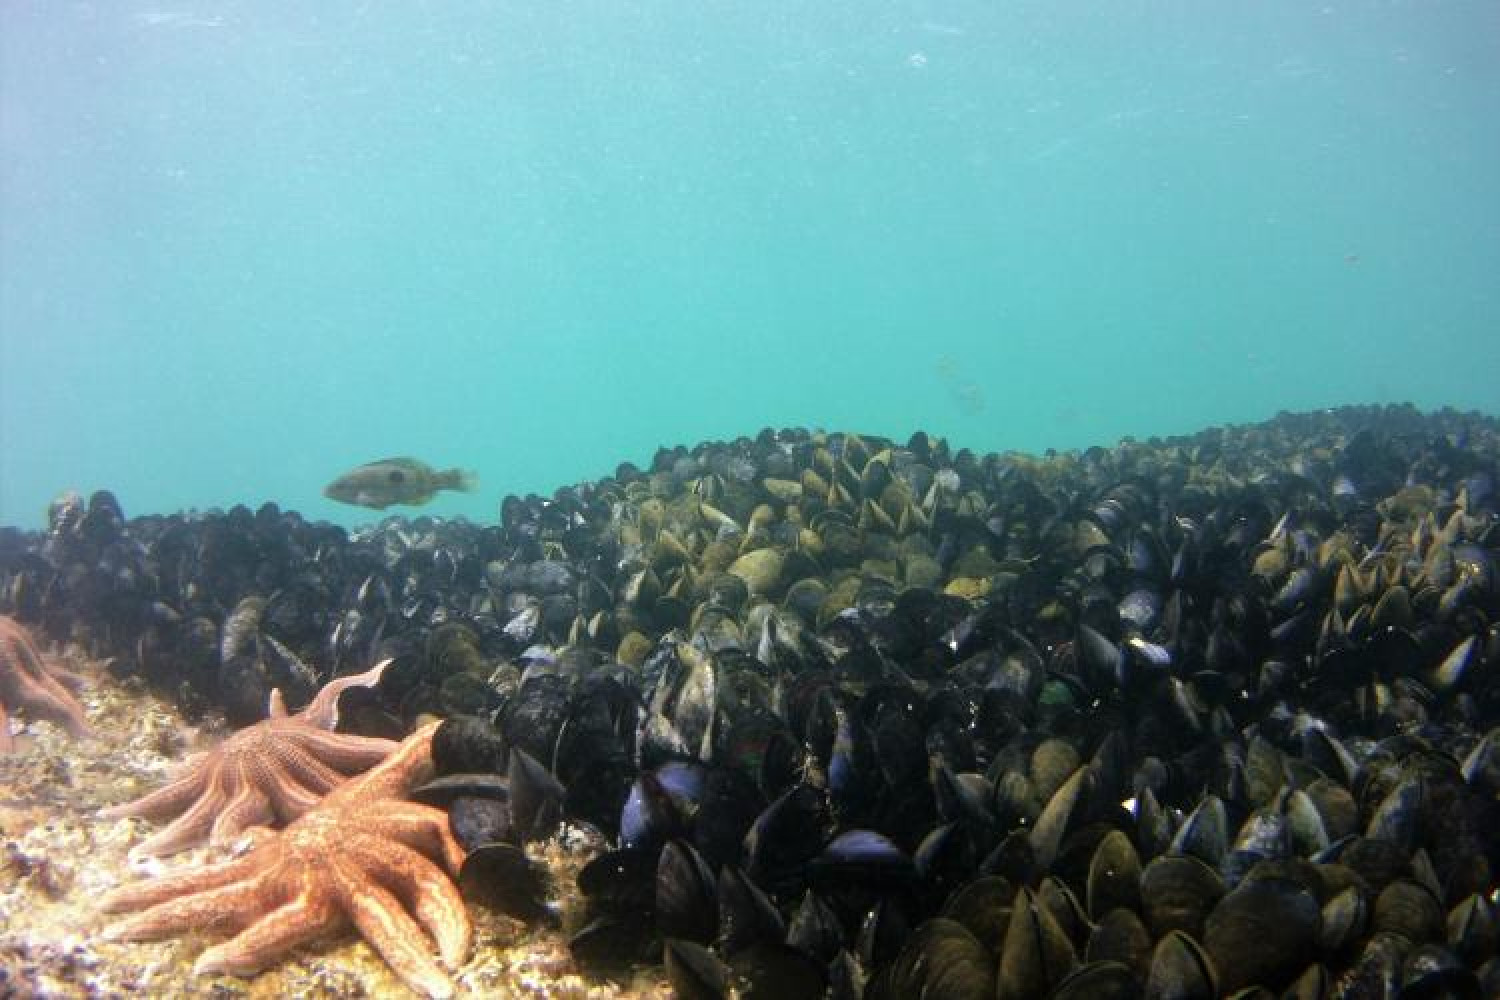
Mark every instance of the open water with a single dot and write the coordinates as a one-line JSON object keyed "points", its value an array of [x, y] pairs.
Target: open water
{"points": [[247, 245]]}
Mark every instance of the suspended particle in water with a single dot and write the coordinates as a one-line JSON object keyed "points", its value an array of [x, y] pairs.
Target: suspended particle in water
{"points": [[966, 394]]}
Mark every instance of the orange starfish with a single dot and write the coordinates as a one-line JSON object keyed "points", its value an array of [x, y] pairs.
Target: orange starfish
{"points": [[363, 855], [28, 681], [265, 774]]}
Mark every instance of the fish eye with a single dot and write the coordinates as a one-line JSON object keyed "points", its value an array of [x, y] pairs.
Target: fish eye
{"points": [[396, 476]]}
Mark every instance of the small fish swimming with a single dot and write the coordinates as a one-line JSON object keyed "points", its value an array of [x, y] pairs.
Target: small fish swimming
{"points": [[396, 481]]}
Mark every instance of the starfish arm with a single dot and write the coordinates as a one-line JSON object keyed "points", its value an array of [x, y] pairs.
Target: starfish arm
{"points": [[44, 697], [390, 930], [408, 766], [272, 936], [149, 892], [191, 827], [289, 798], [61, 686], [57, 706], [431, 894], [323, 710], [304, 768], [247, 806], [166, 800], [344, 752], [424, 829], [7, 742], [227, 906], [73, 682], [20, 651]]}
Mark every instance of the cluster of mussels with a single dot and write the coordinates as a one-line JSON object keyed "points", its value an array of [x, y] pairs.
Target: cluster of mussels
{"points": [[1196, 717]]}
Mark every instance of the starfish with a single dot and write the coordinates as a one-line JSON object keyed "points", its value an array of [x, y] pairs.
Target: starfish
{"points": [[267, 773], [362, 855], [28, 681]]}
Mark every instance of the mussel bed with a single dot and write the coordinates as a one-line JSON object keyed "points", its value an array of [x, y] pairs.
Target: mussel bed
{"points": [[1213, 715]]}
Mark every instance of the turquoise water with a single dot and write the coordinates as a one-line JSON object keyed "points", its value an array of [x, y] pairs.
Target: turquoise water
{"points": [[244, 246]]}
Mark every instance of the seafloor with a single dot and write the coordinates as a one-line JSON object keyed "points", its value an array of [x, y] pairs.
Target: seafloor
{"points": [[57, 858]]}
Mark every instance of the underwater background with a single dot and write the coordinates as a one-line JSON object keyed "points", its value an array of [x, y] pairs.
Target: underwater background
{"points": [[246, 246]]}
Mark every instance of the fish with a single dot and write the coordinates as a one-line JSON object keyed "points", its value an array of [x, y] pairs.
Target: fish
{"points": [[403, 481]]}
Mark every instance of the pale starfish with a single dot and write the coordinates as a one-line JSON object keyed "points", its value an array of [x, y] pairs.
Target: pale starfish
{"points": [[28, 681], [265, 774], [362, 855]]}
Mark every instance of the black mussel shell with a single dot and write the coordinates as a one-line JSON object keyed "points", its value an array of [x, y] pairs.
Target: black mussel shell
{"points": [[695, 972], [611, 946], [768, 970], [815, 928], [441, 792], [502, 878], [787, 834], [1263, 933], [686, 902], [746, 915], [536, 798], [622, 881], [862, 859], [941, 959], [477, 820]]}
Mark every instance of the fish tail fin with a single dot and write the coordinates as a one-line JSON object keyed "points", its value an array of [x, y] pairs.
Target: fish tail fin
{"points": [[463, 480]]}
